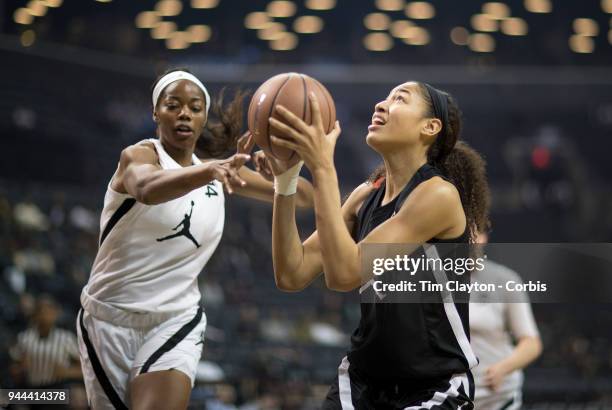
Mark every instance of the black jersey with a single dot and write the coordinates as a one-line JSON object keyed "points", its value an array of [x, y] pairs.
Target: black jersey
{"points": [[407, 341]]}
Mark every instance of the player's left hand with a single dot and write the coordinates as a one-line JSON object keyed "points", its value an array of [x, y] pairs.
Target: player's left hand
{"points": [[494, 376], [311, 142]]}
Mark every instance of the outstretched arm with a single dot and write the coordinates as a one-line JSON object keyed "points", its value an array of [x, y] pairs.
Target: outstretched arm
{"points": [[140, 175], [259, 185]]}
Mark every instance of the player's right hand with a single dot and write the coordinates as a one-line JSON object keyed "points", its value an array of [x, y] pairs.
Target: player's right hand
{"points": [[226, 171]]}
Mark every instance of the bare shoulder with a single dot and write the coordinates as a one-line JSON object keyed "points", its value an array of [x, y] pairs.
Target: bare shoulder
{"points": [[434, 194], [142, 153]]}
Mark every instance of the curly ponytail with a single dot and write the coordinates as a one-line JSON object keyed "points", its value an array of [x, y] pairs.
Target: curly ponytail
{"points": [[223, 127], [462, 165]]}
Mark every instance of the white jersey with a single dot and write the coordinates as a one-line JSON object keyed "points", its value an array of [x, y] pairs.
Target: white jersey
{"points": [[494, 325], [150, 256]]}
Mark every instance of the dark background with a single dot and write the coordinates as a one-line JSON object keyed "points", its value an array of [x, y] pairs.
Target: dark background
{"points": [[75, 90]]}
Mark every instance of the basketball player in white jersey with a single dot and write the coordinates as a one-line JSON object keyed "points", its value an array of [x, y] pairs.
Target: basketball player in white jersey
{"points": [[140, 330], [494, 325]]}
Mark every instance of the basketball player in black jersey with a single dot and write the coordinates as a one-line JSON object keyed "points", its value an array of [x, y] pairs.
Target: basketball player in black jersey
{"points": [[431, 188]]}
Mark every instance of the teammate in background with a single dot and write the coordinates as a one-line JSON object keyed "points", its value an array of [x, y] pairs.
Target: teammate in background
{"points": [[494, 325], [430, 190], [141, 325]]}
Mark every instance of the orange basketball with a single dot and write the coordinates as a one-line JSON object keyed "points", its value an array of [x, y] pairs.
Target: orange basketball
{"points": [[291, 91]]}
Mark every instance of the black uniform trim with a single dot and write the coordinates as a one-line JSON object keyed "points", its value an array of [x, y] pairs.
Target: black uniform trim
{"points": [[173, 341], [507, 404], [123, 209], [99, 370]]}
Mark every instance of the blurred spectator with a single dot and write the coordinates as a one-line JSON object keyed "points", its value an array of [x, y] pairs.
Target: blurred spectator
{"points": [[44, 355]]}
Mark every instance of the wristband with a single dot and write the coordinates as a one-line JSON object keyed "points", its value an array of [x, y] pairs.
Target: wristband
{"points": [[286, 183]]}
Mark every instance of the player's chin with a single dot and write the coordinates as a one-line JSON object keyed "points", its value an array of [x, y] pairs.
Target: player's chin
{"points": [[375, 139], [186, 139]]}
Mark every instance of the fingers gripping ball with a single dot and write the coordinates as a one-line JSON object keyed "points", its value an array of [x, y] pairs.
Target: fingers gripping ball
{"points": [[291, 91]]}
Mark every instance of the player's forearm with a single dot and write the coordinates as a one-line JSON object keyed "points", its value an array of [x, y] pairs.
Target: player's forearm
{"points": [[304, 194], [287, 248], [526, 351], [339, 251], [165, 185]]}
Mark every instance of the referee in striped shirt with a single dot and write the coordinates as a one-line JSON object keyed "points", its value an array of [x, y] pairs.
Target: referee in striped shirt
{"points": [[45, 356]]}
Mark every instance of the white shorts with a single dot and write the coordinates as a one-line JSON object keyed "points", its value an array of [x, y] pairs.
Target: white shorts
{"points": [[112, 356]]}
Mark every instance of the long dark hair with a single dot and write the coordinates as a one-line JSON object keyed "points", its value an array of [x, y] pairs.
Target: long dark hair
{"points": [[224, 124], [458, 162]]}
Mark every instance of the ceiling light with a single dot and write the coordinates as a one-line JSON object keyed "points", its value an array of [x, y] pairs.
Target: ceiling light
{"points": [[481, 43], [378, 42], [27, 38], [484, 22], [390, 5], [163, 30], [52, 3], [538, 6], [308, 24], [204, 4], [257, 20], [376, 21], [168, 8], [586, 27], [37, 8], [22, 16], [514, 26], [417, 36], [177, 41], [460, 36], [288, 41], [147, 19], [198, 33], [420, 10], [320, 4], [273, 31], [400, 28], [281, 8], [496, 10], [581, 44]]}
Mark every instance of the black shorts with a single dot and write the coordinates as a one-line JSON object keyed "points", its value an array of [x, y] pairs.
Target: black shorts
{"points": [[351, 392]]}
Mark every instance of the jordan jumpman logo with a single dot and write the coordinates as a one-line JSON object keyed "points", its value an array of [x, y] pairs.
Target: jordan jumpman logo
{"points": [[186, 222]]}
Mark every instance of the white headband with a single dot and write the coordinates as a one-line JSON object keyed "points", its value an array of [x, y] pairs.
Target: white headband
{"points": [[175, 76]]}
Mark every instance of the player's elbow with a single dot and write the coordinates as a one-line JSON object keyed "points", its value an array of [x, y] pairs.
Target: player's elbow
{"points": [[340, 283], [147, 193], [287, 282], [537, 346], [144, 195]]}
